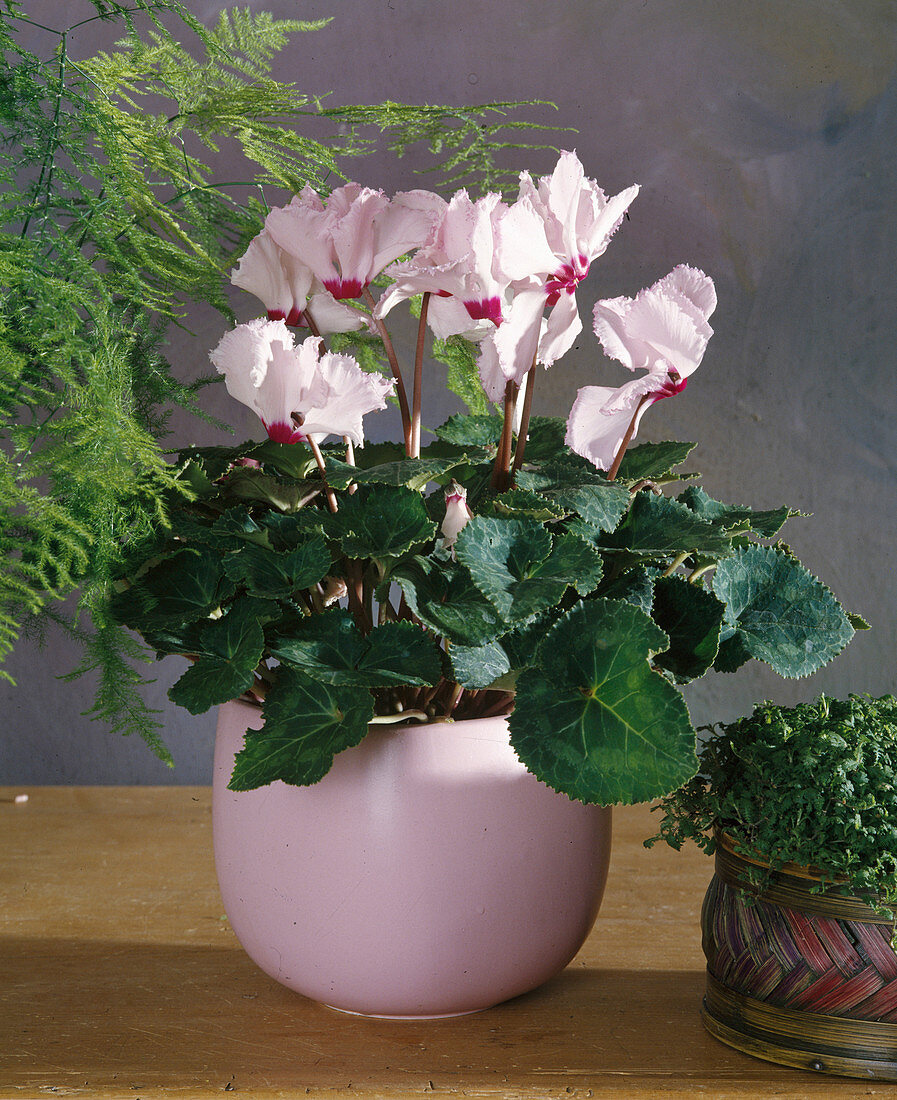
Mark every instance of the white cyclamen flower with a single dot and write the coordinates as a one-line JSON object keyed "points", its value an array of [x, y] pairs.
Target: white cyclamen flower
{"points": [[295, 390], [547, 241], [664, 331], [348, 238]]}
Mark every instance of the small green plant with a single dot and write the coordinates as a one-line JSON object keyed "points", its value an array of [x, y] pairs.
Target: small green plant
{"points": [[814, 785]]}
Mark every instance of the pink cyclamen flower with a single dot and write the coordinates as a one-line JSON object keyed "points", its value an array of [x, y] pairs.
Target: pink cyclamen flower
{"points": [[663, 325], [457, 513], [547, 242], [295, 390], [289, 290], [601, 415], [459, 267], [349, 238], [663, 329]]}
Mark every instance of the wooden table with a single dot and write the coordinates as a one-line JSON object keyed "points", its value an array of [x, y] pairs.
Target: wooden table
{"points": [[119, 977]]}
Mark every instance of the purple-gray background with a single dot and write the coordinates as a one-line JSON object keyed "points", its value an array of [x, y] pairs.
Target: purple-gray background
{"points": [[763, 136]]}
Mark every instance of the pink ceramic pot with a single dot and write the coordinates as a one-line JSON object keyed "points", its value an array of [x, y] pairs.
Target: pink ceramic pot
{"points": [[428, 874]]}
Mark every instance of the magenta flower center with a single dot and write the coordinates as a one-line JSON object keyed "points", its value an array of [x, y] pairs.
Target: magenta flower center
{"points": [[294, 317], [567, 278], [344, 288], [485, 309], [673, 385], [281, 432]]}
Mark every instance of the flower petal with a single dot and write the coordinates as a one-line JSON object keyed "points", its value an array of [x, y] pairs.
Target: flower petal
{"points": [[598, 422], [264, 370], [561, 330], [277, 279], [329, 315], [517, 339], [522, 248], [663, 325], [301, 230], [349, 394]]}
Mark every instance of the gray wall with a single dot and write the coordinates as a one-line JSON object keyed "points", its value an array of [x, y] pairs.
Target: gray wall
{"points": [[763, 135]]}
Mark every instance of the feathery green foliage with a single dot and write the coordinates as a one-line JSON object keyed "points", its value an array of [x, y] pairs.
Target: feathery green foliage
{"points": [[113, 218], [812, 784]]}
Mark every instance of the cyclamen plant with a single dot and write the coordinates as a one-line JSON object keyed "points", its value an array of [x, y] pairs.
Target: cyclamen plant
{"points": [[517, 565]]}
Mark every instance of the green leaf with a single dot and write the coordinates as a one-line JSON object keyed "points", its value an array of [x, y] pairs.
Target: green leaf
{"points": [[471, 431], [293, 460], [503, 557], [401, 653], [656, 525], [733, 516], [653, 461], [635, 586], [187, 586], [306, 723], [577, 487], [781, 613], [522, 502], [239, 525], [691, 618], [232, 648], [248, 483], [733, 653], [415, 473], [442, 595], [545, 439], [522, 644], [273, 573], [857, 621], [288, 531], [380, 521], [478, 666], [516, 567], [596, 722], [331, 648]]}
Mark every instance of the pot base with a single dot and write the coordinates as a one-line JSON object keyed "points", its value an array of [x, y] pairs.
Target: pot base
{"points": [[803, 1040], [410, 1018]]}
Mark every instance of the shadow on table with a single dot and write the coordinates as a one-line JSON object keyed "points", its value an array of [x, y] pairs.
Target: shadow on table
{"points": [[90, 1014]]}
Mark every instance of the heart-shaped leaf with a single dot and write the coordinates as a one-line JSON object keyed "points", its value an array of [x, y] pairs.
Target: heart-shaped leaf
{"points": [[331, 648], [443, 596], [691, 617], [231, 647], [380, 521], [266, 572], [306, 723], [780, 612], [596, 722]]}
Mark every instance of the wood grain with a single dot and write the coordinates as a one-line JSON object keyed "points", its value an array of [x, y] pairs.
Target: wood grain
{"points": [[120, 978]]}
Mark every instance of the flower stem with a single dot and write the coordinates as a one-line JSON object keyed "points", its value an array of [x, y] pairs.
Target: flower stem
{"points": [[312, 327], [675, 563], [418, 377], [529, 383], [319, 458], [396, 372], [457, 692], [627, 438], [502, 464]]}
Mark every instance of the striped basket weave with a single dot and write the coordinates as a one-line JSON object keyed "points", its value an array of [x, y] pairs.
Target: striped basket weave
{"points": [[803, 979]]}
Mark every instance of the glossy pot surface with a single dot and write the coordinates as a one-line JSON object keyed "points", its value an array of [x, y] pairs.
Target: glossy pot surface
{"points": [[427, 874]]}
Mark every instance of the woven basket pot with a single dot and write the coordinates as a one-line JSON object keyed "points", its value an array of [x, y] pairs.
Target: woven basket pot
{"points": [[427, 874], [799, 978]]}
